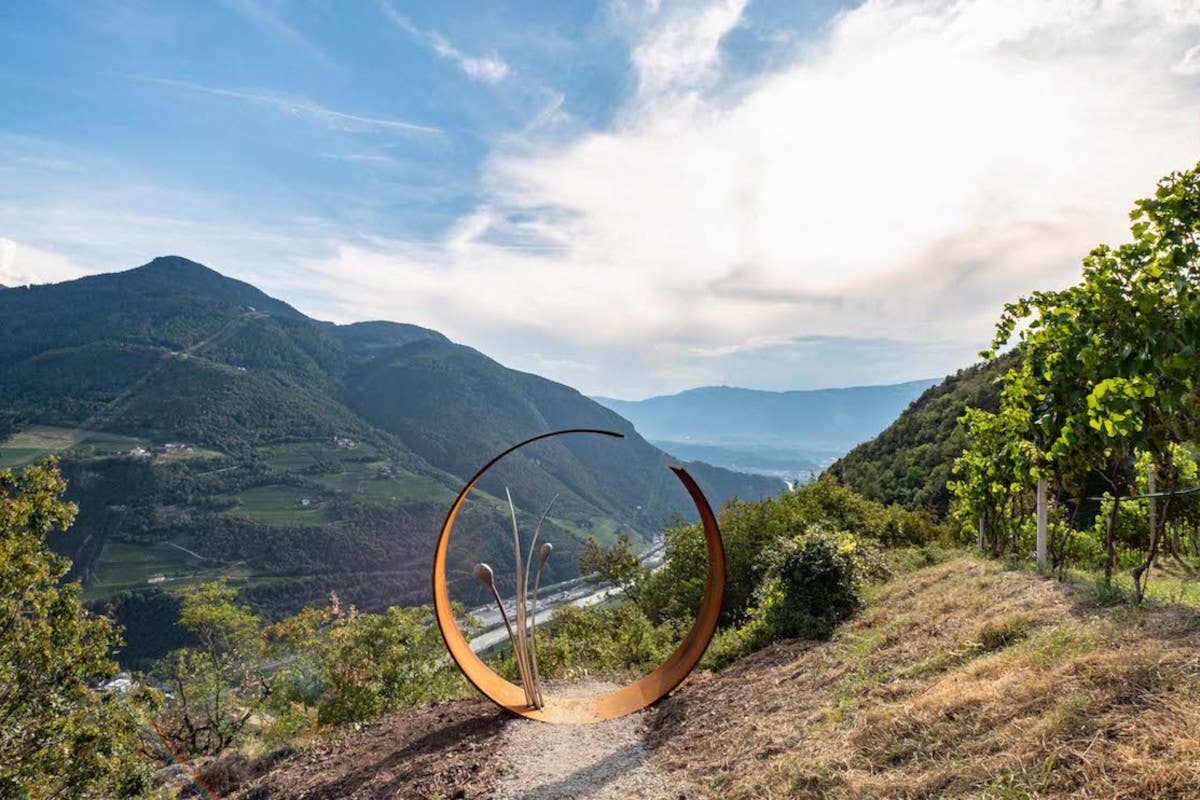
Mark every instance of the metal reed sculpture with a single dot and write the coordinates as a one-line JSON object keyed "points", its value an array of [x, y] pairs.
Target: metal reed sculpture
{"points": [[527, 700], [524, 642]]}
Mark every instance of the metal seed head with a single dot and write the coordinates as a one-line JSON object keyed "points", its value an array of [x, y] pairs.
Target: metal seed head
{"points": [[544, 553], [484, 573]]}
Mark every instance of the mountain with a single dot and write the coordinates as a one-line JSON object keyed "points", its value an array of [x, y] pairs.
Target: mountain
{"points": [[780, 461], [207, 429], [909, 462], [769, 432]]}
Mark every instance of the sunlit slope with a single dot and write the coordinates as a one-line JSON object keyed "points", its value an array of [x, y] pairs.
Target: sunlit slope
{"points": [[961, 680]]}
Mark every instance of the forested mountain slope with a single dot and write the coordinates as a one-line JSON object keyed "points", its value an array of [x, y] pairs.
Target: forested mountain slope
{"points": [[208, 429], [909, 462]]}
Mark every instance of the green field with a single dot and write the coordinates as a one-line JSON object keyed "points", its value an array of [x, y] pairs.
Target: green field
{"points": [[19, 456], [293, 456], [373, 479], [279, 504], [362, 471], [123, 565], [40, 441], [36, 442], [603, 529]]}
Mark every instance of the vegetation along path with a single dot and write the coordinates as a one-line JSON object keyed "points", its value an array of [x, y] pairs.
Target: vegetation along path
{"points": [[962, 679]]}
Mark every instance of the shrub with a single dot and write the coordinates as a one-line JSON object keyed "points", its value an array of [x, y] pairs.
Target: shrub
{"points": [[735, 643], [999, 634], [371, 664], [675, 590], [750, 529], [903, 560], [215, 684], [810, 583], [613, 639]]}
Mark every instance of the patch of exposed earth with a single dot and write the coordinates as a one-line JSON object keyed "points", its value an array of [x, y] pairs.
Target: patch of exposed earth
{"points": [[446, 750], [602, 761]]}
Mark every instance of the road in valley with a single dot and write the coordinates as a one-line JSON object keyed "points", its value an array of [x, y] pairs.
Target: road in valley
{"points": [[577, 591]]}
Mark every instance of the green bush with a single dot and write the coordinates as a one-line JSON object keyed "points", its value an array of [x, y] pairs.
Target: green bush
{"points": [[216, 683], [607, 639], [750, 530], [999, 634], [810, 583], [903, 560], [675, 590], [371, 664], [735, 643]]}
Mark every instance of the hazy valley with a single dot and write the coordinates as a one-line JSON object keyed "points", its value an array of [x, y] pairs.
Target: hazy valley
{"points": [[792, 435]]}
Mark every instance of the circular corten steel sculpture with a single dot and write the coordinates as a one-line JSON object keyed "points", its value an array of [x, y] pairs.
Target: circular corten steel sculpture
{"points": [[578, 710]]}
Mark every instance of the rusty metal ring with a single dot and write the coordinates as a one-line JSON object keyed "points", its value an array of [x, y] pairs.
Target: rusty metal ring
{"points": [[579, 710]]}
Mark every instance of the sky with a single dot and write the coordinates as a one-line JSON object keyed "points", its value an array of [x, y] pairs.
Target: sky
{"points": [[633, 198]]}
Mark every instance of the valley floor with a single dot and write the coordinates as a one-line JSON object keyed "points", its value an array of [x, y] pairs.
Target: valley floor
{"points": [[960, 680]]}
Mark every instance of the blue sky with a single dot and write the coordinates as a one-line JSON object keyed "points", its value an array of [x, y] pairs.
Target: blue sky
{"points": [[629, 197], [281, 111]]}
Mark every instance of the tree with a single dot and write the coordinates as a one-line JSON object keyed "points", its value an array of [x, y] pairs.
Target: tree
{"points": [[59, 737], [996, 469], [1109, 365], [371, 664], [617, 565], [216, 684]]}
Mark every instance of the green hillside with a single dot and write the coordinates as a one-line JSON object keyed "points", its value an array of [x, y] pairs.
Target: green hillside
{"points": [[209, 430], [909, 462]]}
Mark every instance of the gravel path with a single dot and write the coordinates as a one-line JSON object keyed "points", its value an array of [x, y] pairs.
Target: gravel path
{"points": [[607, 760]]}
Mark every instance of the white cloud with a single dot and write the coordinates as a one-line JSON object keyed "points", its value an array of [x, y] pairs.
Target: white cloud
{"points": [[1190, 63], [487, 69], [681, 51], [915, 166], [924, 162], [21, 265]]}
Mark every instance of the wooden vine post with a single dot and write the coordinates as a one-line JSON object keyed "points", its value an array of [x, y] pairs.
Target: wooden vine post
{"points": [[1041, 524]]}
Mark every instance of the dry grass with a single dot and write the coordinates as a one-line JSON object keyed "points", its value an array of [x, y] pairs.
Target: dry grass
{"points": [[961, 680]]}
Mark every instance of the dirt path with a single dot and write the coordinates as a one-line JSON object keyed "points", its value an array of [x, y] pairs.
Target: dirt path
{"points": [[581, 762]]}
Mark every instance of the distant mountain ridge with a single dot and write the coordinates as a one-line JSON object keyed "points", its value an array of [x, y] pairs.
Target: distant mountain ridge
{"points": [[198, 415], [829, 419], [771, 432]]}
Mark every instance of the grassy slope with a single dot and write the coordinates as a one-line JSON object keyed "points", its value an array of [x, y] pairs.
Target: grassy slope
{"points": [[960, 680]]}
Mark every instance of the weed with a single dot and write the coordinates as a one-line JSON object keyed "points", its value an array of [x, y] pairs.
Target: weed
{"points": [[999, 634]]}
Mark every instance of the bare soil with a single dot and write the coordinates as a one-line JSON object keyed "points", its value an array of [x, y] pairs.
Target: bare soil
{"points": [[446, 750]]}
